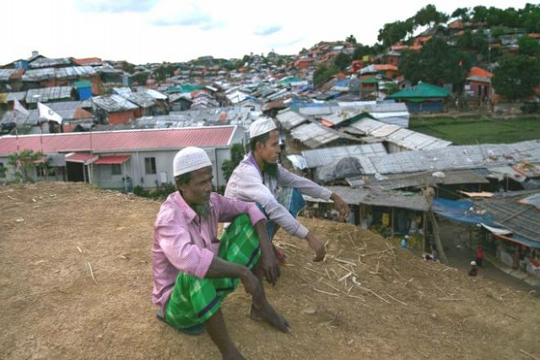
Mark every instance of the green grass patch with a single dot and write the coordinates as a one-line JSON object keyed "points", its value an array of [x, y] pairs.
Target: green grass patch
{"points": [[478, 130]]}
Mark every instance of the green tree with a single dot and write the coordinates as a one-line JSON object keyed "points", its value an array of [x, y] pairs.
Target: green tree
{"points": [[396, 31], [517, 76], [164, 71], [462, 13], [436, 63], [480, 13], [324, 73], [351, 39], [529, 18], [342, 61], [529, 46], [24, 161], [139, 78], [362, 50], [429, 16], [237, 154], [246, 59]]}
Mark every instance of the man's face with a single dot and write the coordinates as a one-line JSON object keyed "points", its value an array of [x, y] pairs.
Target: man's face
{"points": [[270, 150], [199, 188]]}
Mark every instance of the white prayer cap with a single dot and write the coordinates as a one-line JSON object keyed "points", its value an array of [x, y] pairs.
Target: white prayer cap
{"points": [[261, 126], [190, 159], [473, 263]]}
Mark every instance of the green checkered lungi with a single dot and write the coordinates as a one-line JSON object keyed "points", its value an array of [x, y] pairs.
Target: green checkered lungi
{"points": [[194, 300]]}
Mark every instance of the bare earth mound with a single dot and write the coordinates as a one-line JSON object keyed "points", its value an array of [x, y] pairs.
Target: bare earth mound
{"points": [[367, 300]]}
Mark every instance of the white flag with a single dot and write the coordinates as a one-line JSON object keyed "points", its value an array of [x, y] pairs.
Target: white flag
{"points": [[47, 113], [18, 107]]}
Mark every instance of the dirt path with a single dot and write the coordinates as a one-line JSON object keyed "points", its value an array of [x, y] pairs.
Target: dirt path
{"points": [[455, 238], [398, 307]]}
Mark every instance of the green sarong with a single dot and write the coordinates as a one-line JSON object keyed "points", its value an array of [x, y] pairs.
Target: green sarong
{"points": [[194, 300]]}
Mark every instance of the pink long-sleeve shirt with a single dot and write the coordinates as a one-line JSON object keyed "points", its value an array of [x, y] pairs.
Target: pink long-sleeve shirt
{"points": [[185, 242]]}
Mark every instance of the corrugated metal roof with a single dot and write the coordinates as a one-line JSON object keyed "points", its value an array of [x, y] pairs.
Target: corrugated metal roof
{"points": [[58, 73], [5, 74], [121, 141], [343, 115], [113, 103], [394, 134], [313, 135], [48, 94], [82, 158], [156, 94], [413, 140], [290, 119], [393, 113], [46, 62], [92, 61], [141, 99], [321, 157], [20, 96], [66, 111], [384, 131], [521, 219], [395, 199], [426, 179], [422, 90], [122, 91], [112, 160], [453, 157]]}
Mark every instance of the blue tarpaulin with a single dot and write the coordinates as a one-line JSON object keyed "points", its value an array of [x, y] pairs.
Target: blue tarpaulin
{"points": [[460, 211]]}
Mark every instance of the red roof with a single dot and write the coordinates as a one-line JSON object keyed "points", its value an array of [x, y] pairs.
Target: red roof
{"points": [[84, 61], [120, 141], [476, 71], [112, 160], [383, 67]]}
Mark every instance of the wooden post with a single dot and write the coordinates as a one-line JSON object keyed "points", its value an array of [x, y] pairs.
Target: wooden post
{"points": [[392, 224], [424, 224], [438, 241]]}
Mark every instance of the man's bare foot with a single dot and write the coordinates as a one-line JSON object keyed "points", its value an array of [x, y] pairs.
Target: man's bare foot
{"points": [[268, 314]]}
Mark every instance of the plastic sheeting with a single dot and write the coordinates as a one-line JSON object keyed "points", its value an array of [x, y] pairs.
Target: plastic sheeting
{"points": [[461, 211]]}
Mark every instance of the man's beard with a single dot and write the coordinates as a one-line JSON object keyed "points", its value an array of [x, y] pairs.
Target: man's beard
{"points": [[271, 170], [202, 210]]}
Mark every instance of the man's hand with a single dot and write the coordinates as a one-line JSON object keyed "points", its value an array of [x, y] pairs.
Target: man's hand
{"points": [[253, 287], [341, 206], [270, 267], [317, 246]]}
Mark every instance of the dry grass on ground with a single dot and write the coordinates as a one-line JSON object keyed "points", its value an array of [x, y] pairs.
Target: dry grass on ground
{"points": [[368, 300]]}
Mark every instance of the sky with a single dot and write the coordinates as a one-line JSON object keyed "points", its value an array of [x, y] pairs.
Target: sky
{"points": [[143, 31]]}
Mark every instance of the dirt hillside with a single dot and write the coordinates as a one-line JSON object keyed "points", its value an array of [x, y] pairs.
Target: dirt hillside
{"points": [[367, 300]]}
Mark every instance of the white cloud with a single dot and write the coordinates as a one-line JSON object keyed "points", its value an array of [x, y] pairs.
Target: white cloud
{"points": [[268, 30], [115, 6], [180, 30]]}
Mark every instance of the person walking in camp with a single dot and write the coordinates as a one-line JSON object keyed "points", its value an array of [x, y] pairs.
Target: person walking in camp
{"points": [[259, 178], [194, 270], [479, 255]]}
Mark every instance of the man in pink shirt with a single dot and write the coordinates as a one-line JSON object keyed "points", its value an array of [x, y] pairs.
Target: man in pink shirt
{"points": [[194, 270]]}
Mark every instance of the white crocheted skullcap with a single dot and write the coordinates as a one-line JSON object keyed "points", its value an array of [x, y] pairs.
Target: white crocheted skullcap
{"points": [[473, 263], [190, 159], [261, 126]]}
